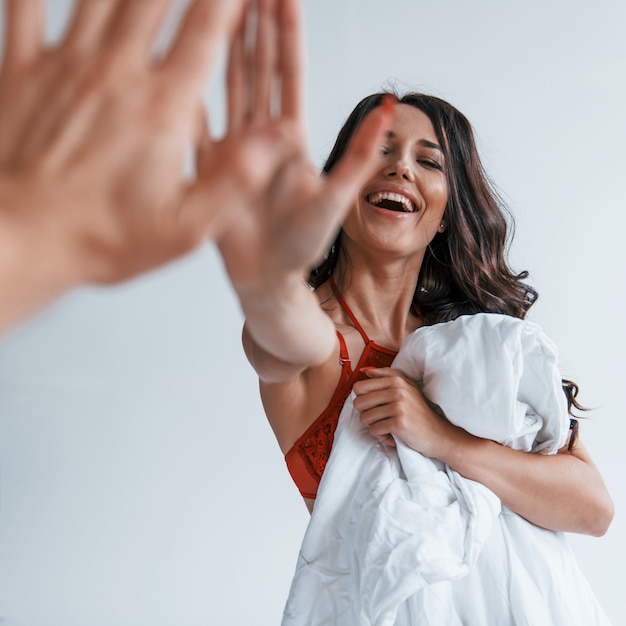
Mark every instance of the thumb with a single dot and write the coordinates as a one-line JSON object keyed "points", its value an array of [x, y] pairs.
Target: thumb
{"points": [[203, 213], [361, 157]]}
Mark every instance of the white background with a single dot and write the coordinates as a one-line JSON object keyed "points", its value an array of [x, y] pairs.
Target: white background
{"points": [[140, 483]]}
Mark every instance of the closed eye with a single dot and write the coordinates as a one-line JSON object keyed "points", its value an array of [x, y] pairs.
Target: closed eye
{"points": [[429, 163]]}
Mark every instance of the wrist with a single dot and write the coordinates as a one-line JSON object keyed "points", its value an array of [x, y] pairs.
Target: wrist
{"points": [[276, 316], [460, 450], [274, 292]]}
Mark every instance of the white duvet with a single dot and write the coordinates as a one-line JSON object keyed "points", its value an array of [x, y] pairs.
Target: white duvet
{"points": [[398, 538]]}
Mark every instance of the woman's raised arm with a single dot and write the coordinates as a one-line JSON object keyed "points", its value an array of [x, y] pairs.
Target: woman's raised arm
{"points": [[274, 240]]}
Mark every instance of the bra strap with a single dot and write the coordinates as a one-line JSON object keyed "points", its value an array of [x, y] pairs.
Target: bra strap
{"points": [[347, 310], [344, 357]]}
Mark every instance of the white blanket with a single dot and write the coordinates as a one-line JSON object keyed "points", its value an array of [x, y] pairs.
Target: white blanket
{"points": [[400, 539]]}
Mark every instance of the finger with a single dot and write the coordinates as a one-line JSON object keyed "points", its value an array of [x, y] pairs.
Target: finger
{"points": [[388, 440], [379, 372], [378, 378], [265, 60], [90, 23], [375, 415], [374, 398], [203, 141], [378, 422], [360, 160], [24, 32], [291, 59], [365, 387], [207, 25], [236, 87], [205, 212], [381, 431], [135, 26], [380, 427]]}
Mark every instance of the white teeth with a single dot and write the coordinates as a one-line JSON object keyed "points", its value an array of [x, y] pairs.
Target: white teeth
{"points": [[377, 198]]}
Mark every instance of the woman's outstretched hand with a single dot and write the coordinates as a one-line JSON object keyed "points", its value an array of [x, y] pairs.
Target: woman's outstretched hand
{"points": [[295, 212], [284, 213]]}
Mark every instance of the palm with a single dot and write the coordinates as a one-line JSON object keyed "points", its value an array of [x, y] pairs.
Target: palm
{"points": [[285, 213], [284, 231]]}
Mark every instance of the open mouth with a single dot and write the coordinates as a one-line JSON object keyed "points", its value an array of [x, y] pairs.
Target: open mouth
{"points": [[391, 201]]}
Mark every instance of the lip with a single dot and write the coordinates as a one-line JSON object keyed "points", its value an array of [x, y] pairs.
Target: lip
{"points": [[390, 187]]}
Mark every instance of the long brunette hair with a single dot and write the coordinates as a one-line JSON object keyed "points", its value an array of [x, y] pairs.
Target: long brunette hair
{"points": [[465, 268]]}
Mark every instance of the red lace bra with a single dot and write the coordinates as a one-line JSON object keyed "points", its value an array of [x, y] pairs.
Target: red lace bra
{"points": [[307, 458]]}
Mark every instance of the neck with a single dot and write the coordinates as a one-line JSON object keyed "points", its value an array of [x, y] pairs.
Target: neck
{"points": [[380, 293]]}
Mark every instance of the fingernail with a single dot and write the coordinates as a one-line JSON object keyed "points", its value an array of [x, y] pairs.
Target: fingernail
{"points": [[389, 102]]}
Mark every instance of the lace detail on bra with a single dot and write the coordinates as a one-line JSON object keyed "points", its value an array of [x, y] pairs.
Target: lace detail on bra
{"points": [[376, 358], [315, 445], [315, 449]]}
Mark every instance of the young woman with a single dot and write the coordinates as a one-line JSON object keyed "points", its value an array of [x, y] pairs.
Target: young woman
{"points": [[423, 241]]}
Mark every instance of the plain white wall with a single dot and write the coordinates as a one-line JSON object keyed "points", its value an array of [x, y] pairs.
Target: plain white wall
{"points": [[140, 483]]}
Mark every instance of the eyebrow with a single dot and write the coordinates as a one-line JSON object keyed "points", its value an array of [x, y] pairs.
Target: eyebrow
{"points": [[421, 142]]}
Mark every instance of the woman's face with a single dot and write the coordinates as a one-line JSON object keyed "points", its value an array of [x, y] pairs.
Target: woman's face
{"points": [[401, 208]]}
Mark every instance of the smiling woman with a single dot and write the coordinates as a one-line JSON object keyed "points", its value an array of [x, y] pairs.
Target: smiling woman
{"points": [[412, 186], [473, 225], [139, 480], [423, 243]]}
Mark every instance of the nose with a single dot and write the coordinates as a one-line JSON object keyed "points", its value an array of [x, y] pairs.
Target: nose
{"points": [[399, 168]]}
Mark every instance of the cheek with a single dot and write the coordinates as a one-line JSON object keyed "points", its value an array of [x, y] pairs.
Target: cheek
{"points": [[435, 190], [441, 193]]}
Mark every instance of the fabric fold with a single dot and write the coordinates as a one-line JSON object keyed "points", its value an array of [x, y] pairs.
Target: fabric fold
{"points": [[396, 538]]}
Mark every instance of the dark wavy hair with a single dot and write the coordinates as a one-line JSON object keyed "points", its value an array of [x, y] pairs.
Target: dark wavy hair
{"points": [[465, 268]]}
